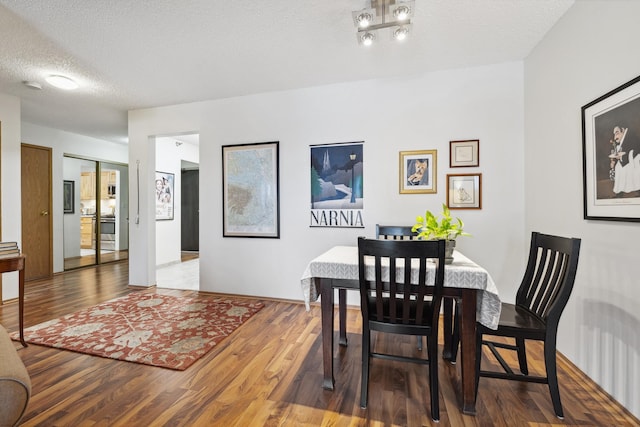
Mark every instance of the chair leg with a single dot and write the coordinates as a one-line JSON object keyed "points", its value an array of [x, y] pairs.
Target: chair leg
{"points": [[366, 358], [552, 377], [522, 356], [432, 348]]}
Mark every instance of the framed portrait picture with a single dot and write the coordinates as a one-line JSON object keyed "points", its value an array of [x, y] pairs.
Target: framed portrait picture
{"points": [[418, 171], [464, 153], [68, 193], [164, 196], [464, 191], [251, 190], [611, 154]]}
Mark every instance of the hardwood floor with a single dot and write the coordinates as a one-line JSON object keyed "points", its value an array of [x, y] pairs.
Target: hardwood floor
{"points": [[269, 373]]}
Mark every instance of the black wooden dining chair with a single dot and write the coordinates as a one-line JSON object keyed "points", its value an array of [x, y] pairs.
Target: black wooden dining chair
{"points": [[451, 322], [395, 232], [540, 300], [393, 303]]}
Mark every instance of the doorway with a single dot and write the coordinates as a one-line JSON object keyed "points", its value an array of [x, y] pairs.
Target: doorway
{"points": [[96, 228], [177, 234], [190, 205], [37, 242]]}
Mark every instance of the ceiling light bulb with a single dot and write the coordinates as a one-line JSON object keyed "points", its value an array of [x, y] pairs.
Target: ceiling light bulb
{"points": [[401, 13], [367, 39], [62, 82], [401, 33], [364, 20]]}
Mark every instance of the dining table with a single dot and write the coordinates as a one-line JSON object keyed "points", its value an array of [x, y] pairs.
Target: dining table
{"points": [[466, 281]]}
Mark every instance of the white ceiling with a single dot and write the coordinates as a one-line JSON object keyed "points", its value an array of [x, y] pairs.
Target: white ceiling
{"points": [[147, 53]]}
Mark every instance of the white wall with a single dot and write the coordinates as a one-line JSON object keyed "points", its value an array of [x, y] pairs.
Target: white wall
{"points": [[63, 143], [169, 156], [10, 178], [592, 50], [393, 115]]}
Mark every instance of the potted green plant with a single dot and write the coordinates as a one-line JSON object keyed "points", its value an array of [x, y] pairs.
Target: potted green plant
{"points": [[431, 227]]}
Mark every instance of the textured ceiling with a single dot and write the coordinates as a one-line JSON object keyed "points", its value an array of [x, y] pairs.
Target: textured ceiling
{"points": [[147, 53]]}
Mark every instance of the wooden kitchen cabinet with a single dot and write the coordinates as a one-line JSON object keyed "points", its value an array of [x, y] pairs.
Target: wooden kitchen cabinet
{"points": [[106, 179], [86, 232], [88, 186]]}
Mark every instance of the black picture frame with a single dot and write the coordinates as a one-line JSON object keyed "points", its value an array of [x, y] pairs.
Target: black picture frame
{"points": [[68, 196], [611, 155], [251, 190]]}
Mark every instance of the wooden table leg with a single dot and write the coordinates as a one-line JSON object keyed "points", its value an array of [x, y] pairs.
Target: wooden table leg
{"points": [[342, 311], [326, 308], [468, 351], [447, 316]]}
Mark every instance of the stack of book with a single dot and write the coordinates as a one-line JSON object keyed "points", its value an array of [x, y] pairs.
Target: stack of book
{"points": [[9, 249]]}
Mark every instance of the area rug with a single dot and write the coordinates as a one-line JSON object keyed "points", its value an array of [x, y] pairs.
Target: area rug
{"points": [[153, 329]]}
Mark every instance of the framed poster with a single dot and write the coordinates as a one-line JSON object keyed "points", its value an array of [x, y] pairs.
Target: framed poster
{"points": [[418, 171], [464, 153], [464, 191], [611, 155], [68, 192], [337, 195], [251, 190], [164, 196]]}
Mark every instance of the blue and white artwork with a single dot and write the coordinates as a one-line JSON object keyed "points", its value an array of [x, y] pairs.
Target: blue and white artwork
{"points": [[337, 185]]}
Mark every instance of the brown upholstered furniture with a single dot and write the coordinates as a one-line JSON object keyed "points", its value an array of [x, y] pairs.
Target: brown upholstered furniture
{"points": [[15, 385]]}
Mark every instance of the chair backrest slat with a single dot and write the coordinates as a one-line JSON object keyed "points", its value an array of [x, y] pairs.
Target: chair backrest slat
{"points": [[549, 276], [395, 232], [394, 297]]}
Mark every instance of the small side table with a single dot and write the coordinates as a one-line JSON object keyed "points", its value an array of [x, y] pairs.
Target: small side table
{"points": [[16, 263]]}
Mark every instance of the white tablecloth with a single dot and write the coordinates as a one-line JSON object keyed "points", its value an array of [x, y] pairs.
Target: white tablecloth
{"points": [[341, 262]]}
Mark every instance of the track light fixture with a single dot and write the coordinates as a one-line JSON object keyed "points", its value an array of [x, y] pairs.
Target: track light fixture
{"points": [[383, 15]]}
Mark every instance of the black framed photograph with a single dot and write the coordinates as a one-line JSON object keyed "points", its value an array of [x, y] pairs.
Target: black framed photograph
{"points": [[251, 190], [611, 154], [418, 171], [464, 191], [68, 193], [164, 196], [463, 154]]}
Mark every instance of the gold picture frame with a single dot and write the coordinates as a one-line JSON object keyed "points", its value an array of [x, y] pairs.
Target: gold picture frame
{"points": [[418, 172]]}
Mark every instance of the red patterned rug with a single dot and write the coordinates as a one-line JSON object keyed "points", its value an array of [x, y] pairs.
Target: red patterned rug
{"points": [[159, 330]]}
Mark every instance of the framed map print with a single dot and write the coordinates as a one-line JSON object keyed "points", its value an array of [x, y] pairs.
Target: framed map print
{"points": [[250, 190]]}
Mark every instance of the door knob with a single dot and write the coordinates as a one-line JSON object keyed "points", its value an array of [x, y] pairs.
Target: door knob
{"points": [[44, 213]]}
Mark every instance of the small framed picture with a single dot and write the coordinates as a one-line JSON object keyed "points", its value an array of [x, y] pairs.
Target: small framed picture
{"points": [[418, 171], [464, 153], [68, 193], [464, 191]]}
